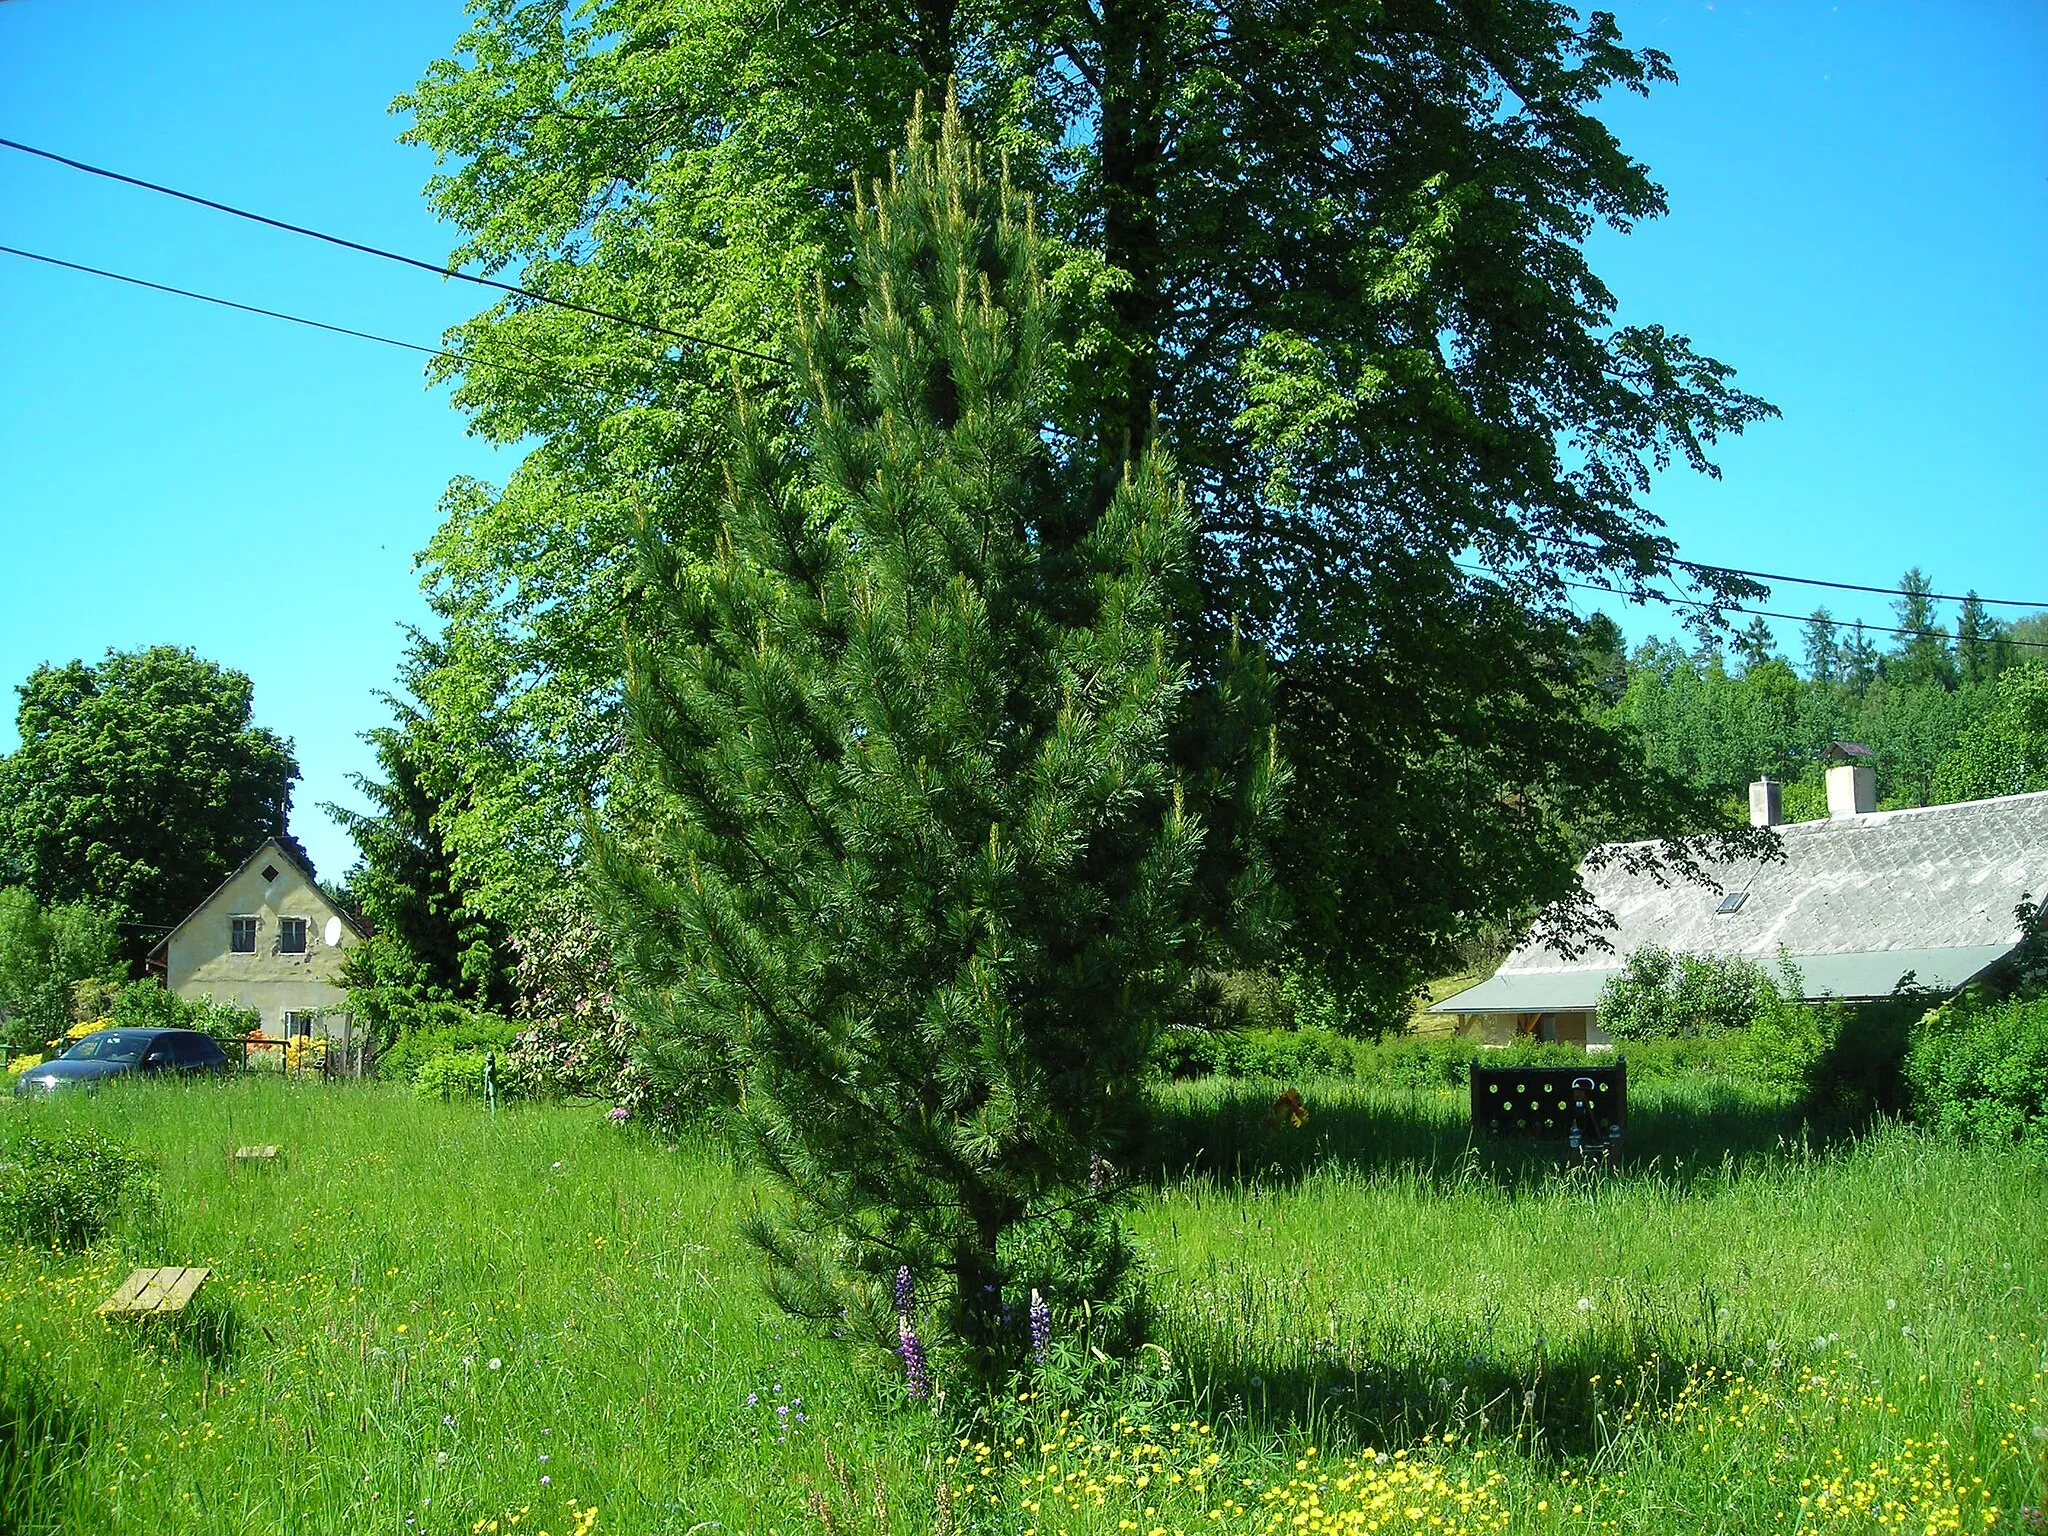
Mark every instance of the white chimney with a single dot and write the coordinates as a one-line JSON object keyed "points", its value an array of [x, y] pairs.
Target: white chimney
{"points": [[1766, 803], [1852, 790]]}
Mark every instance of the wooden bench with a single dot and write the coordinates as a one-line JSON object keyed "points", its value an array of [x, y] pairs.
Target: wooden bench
{"points": [[155, 1292]]}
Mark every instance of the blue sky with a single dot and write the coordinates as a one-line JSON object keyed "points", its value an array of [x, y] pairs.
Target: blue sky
{"points": [[1859, 223]]}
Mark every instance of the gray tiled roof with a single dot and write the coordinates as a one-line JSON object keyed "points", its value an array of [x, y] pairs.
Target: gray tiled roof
{"points": [[1856, 902]]}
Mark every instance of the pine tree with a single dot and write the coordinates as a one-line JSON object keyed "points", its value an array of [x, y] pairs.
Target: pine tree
{"points": [[431, 955], [1859, 658], [1755, 644], [1823, 648], [1923, 656], [928, 878], [1980, 641]]}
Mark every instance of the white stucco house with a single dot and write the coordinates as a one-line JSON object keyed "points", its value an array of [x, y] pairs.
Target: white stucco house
{"points": [[268, 938]]}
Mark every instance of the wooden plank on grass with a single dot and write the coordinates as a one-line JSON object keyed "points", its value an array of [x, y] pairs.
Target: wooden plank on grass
{"points": [[123, 1300], [182, 1290], [255, 1154], [152, 1292]]}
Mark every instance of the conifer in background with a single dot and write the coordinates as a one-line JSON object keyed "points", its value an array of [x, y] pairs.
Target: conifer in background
{"points": [[927, 877]]}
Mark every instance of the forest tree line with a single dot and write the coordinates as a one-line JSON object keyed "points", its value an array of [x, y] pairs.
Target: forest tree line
{"points": [[1954, 705]]}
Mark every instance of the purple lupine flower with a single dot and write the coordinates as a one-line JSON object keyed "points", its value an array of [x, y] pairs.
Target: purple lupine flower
{"points": [[1041, 1327], [1100, 1171], [916, 1374], [906, 1291], [621, 1115]]}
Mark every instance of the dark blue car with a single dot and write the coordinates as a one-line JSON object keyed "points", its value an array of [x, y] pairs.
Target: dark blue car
{"points": [[115, 1052]]}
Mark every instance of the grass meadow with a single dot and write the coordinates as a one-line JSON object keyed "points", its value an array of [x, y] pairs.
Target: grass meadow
{"points": [[425, 1319]]}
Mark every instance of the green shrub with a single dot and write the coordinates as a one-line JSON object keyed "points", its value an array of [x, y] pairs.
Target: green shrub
{"points": [[467, 1030], [1786, 1045], [1687, 1056], [145, 1005], [1393, 1061], [1861, 1072], [1981, 1069], [1661, 995], [1289, 1054], [64, 1191], [1409, 1061], [451, 1075], [460, 1075]]}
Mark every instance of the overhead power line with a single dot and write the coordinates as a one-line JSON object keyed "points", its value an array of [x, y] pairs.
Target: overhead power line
{"points": [[1850, 586], [278, 314], [438, 268], [1914, 631]]}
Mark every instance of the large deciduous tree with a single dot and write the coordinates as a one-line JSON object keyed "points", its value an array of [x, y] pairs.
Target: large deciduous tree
{"points": [[45, 952], [140, 782], [2005, 750], [1340, 253], [931, 875]]}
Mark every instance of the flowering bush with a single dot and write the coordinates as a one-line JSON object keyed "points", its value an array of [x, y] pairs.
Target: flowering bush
{"points": [[573, 1041]]}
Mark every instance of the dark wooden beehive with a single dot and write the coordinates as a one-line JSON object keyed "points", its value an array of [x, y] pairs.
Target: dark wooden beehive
{"points": [[1536, 1102]]}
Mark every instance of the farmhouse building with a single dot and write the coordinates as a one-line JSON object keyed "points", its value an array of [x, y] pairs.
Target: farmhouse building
{"points": [[269, 939], [1860, 902]]}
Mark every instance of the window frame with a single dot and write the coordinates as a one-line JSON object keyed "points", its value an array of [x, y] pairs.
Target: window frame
{"points": [[255, 930], [286, 928]]}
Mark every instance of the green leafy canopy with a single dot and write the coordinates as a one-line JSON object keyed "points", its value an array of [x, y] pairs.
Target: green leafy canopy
{"points": [[1331, 254]]}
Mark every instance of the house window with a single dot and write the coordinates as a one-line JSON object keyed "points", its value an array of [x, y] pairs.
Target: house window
{"points": [[291, 935], [297, 1024], [241, 935], [1732, 902]]}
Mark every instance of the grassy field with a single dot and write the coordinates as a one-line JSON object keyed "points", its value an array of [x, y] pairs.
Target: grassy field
{"points": [[428, 1320]]}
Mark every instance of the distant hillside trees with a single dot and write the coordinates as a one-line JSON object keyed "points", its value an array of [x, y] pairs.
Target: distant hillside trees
{"points": [[141, 781], [1950, 715], [2004, 750]]}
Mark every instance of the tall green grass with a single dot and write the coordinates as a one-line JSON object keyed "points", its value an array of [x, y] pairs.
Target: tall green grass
{"points": [[424, 1318]]}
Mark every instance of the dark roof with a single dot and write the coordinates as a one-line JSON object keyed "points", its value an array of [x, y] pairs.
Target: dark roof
{"points": [[284, 851], [1847, 752], [1856, 902]]}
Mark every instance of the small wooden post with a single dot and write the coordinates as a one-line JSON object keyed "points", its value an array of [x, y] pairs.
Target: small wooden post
{"points": [[491, 1081]]}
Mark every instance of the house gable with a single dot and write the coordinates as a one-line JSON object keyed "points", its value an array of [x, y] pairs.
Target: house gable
{"points": [[294, 941]]}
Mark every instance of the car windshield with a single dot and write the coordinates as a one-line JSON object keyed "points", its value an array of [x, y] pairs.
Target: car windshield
{"points": [[110, 1045]]}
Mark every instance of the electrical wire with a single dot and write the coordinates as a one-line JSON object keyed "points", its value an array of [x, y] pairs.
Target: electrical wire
{"points": [[438, 268], [1850, 586], [1914, 631], [442, 270], [278, 314]]}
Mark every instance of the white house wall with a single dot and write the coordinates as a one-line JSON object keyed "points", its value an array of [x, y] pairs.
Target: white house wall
{"points": [[200, 962]]}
